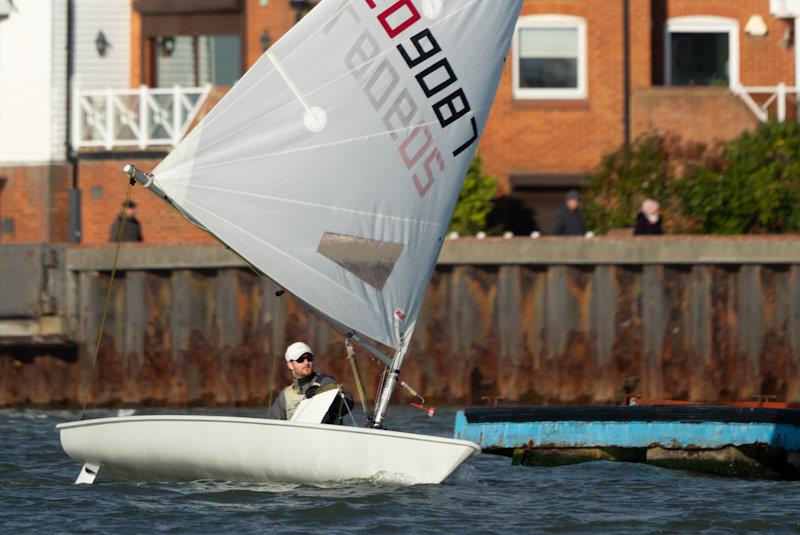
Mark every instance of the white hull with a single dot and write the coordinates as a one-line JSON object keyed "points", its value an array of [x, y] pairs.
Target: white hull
{"points": [[189, 448]]}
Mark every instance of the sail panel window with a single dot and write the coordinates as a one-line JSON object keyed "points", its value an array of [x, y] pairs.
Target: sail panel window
{"points": [[370, 260], [702, 51], [550, 58]]}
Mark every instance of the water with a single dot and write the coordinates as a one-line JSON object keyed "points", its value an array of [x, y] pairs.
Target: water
{"points": [[485, 495]]}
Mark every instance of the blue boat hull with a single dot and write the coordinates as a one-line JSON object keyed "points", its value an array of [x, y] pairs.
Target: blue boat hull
{"points": [[725, 440]]}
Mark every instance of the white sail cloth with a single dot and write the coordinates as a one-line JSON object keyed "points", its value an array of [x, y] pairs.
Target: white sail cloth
{"points": [[335, 163]]}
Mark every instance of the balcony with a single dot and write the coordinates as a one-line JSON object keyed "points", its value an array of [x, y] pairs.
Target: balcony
{"points": [[142, 118]]}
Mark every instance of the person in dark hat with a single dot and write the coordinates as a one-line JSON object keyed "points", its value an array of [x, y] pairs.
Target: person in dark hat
{"points": [[569, 221], [133, 230]]}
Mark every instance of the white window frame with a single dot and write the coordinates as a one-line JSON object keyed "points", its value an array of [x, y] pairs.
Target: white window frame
{"points": [[551, 93], [704, 24]]}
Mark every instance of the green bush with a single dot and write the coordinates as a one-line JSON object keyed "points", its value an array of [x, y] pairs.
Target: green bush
{"points": [[474, 201], [613, 192], [755, 186], [750, 184]]}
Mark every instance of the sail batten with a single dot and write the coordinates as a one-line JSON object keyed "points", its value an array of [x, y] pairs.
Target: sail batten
{"points": [[335, 163]]}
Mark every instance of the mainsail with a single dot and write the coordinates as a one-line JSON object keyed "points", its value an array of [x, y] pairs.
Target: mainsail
{"points": [[335, 163]]}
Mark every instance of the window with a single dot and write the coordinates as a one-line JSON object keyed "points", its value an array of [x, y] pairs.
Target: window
{"points": [[702, 51], [549, 54], [192, 61]]}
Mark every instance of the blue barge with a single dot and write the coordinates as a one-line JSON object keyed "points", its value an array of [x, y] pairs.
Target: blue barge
{"points": [[733, 441]]}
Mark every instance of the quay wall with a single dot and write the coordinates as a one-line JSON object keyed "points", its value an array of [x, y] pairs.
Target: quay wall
{"points": [[549, 320]]}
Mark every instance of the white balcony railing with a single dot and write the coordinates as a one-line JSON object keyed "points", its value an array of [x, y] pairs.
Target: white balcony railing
{"points": [[143, 117], [776, 97]]}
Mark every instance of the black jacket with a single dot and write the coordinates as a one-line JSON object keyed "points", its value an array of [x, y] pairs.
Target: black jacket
{"points": [[133, 230], [569, 223], [644, 227]]}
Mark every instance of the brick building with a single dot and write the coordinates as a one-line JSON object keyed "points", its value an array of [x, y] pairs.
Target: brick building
{"points": [[583, 77]]}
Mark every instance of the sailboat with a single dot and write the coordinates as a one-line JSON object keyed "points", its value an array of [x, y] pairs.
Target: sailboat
{"points": [[333, 167]]}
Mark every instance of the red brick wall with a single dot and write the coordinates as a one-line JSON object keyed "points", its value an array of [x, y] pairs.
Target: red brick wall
{"points": [[276, 18], [36, 197], [696, 114], [762, 60], [710, 114], [570, 137], [567, 136], [160, 224]]}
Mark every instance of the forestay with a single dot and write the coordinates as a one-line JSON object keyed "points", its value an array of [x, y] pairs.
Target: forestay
{"points": [[334, 164]]}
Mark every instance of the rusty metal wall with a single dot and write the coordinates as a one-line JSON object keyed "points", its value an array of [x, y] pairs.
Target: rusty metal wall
{"points": [[523, 333]]}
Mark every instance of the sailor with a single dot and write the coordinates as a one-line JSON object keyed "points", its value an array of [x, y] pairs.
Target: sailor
{"points": [[307, 383]]}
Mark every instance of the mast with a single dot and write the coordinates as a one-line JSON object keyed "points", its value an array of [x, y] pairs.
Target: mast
{"points": [[392, 378], [388, 387]]}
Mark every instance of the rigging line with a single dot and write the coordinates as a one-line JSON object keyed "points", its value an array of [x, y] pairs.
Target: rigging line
{"points": [[280, 251], [318, 205], [278, 324], [362, 393], [120, 234]]}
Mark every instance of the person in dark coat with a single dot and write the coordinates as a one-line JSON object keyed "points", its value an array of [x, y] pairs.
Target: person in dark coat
{"points": [[133, 230], [569, 221], [648, 222]]}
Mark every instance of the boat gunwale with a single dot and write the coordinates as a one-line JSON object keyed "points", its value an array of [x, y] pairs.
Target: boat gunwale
{"points": [[114, 420]]}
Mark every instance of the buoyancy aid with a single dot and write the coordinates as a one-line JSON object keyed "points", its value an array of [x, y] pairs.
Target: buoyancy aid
{"points": [[295, 393]]}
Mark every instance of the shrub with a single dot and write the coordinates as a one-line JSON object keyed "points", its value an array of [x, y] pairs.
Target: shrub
{"points": [[755, 187], [613, 192], [474, 201]]}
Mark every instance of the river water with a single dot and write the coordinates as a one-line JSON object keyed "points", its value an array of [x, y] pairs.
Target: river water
{"points": [[485, 495]]}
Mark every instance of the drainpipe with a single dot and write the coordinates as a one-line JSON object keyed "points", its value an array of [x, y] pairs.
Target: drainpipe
{"points": [[72, 157], [626, 70], [796, 60]]}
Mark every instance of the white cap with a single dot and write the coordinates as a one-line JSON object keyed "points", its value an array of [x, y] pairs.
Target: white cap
{"points": [[297, 350]]}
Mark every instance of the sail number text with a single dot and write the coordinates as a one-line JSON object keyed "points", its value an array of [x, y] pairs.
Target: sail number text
{"points": [[392, 100]]}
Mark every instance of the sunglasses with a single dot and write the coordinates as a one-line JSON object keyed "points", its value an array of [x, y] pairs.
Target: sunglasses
{"points": [[309, 358]]}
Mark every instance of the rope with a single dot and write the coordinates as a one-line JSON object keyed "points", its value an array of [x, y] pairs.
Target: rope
{"points": [[351, 355], [278, 319], [120, 234]]}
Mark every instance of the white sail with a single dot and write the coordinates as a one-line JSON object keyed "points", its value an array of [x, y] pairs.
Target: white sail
{"points": [[335, 163]]}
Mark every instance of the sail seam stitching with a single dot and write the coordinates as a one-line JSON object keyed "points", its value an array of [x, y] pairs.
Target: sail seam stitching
{"points": [[317, 205], [279, 250]]}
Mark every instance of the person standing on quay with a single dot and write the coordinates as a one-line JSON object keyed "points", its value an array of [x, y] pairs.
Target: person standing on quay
{"points": [[133, 230], [569, 220], [648, 222]]}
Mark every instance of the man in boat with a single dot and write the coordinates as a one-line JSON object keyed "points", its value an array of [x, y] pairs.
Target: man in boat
{"points": [[307, 383]]}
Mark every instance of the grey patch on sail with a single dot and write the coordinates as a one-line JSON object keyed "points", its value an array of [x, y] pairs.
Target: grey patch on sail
{"points": [[369, 260]]}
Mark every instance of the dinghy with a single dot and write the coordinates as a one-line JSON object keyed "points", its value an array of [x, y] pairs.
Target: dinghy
{"points": [[333, 167]]}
